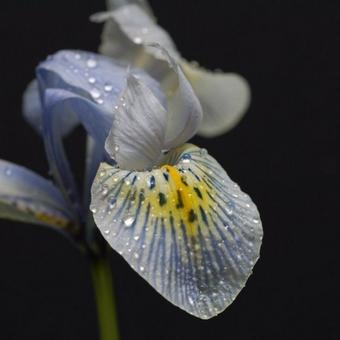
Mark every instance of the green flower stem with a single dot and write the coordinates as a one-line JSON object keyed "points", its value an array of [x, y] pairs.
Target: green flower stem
{"points": [[103, 290]]}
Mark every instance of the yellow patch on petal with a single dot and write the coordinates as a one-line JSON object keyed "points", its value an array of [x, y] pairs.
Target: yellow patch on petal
{"points": [[185, 227], [54, 221]]}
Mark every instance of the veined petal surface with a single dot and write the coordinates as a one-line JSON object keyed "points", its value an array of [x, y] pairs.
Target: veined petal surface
{"points": [[27, 197], [185, 227], [137, 136]]}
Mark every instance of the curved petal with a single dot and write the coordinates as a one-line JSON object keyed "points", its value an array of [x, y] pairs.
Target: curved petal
{"points": [[114, 4], [137, 136], [95, 77], [27, 197], [225, 98], [96, 122], [32, 110], [128, 26], [184, 109], [186, 228], [80, 86]]}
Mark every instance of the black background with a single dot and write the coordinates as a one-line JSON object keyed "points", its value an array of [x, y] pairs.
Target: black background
{"points": [[284, 153]]}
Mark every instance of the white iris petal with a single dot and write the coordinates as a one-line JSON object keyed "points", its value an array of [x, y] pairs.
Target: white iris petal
{"points": [[127, 34]]}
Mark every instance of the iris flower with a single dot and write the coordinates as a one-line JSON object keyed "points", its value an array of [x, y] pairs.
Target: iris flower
{"points": [[166, 206]]}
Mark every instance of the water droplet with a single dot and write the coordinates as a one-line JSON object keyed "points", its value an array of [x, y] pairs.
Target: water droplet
{"points": [[102, 173], [136, 237], [256, 221], [116, 147], [203, 152], [93, 209], [92, 80], [137, 40], [112, 202], [186, 158], [129, 221], [77, 56], [229, 211], [136, 255], [141, 268], [8, 172], [95, 93], [108, 87], [105, 190], [127, 181], [107, 231], [91, 63], [100, 101]]}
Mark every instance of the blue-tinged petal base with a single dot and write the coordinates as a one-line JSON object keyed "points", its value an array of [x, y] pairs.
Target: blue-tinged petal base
{"points": [[186, 228]]}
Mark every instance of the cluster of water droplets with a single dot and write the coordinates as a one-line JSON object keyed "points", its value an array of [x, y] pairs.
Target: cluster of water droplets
{"points": [[99, 91]]}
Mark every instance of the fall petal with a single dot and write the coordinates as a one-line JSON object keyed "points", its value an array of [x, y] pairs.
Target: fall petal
{"points": [[185, 227]]}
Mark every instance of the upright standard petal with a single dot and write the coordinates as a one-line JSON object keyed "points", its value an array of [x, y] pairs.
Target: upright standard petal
{"points": [[114, 4], [130, 25], [185, 227], [184, 109], [225, 98], [27, 197], [129, 30], [137, 136]]}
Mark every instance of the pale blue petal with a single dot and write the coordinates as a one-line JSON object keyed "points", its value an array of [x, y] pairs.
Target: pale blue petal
{"points": [[95, 77], [32, 110], [96, 121], [27, 197], [185, 227], [95, 154], [80, 86], [136, 139]]}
